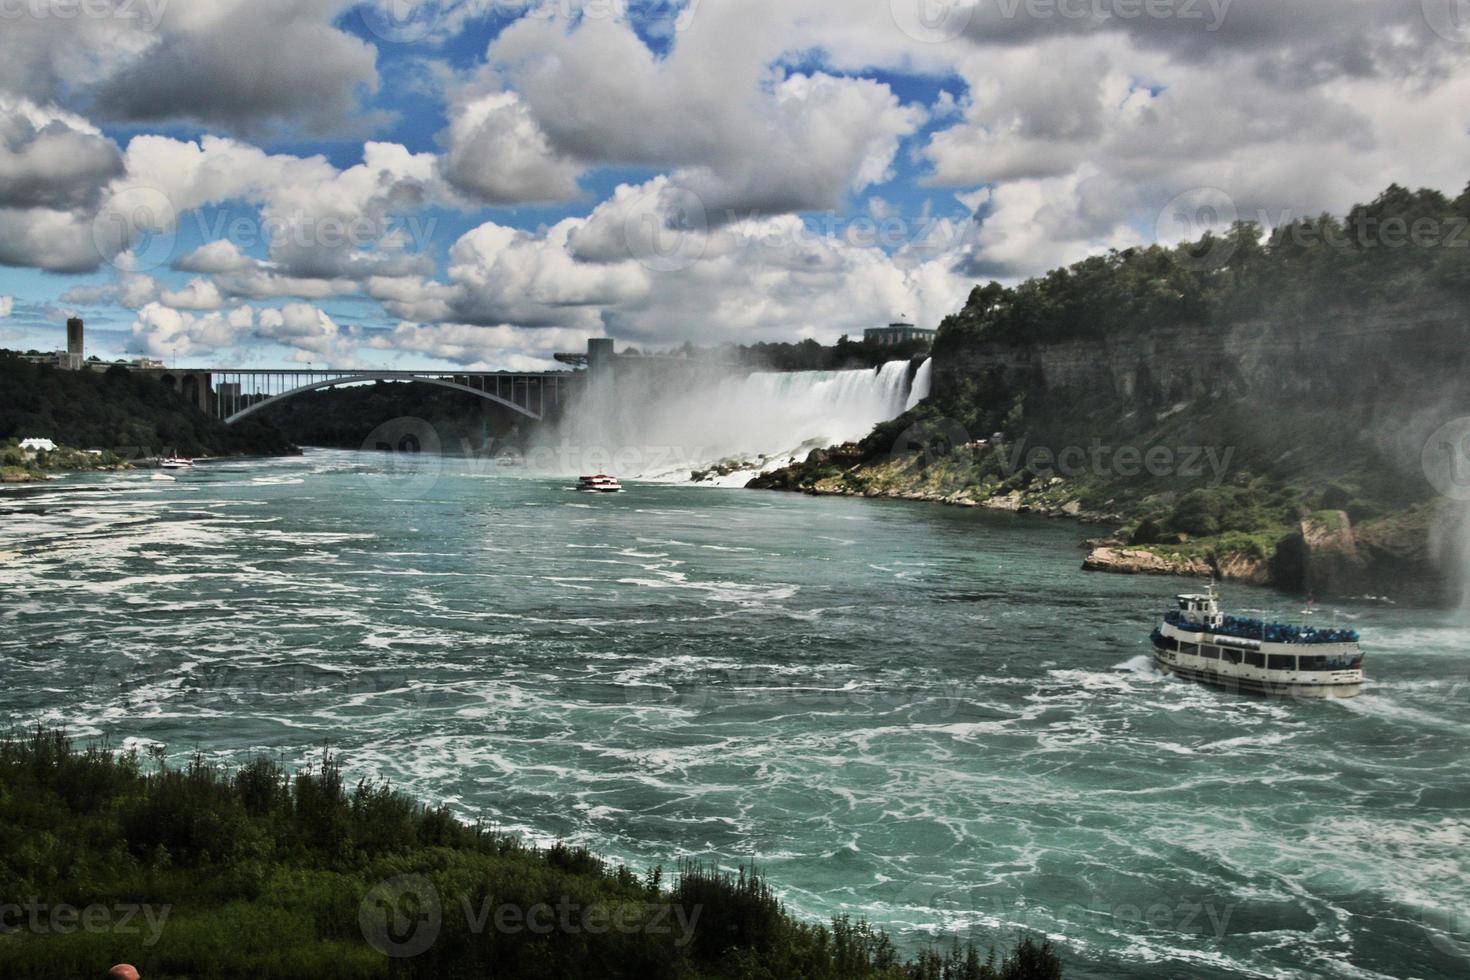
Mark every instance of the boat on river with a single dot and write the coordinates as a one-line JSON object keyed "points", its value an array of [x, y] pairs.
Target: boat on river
{"points": [[601, 483], [1199, 642], [176, 463]]}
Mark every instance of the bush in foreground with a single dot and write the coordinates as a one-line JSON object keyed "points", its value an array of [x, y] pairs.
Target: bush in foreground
{"points": [[198, 872]]}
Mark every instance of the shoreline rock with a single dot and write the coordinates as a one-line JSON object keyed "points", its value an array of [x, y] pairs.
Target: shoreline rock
{"points": [[1129, 561]]}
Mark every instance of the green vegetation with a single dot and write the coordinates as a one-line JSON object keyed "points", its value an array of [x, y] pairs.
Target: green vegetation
{"points": [[1402, 244], [23, 465], [260, 873], [129, 414]]}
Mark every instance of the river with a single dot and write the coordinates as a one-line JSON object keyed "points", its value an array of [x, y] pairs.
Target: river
{"points": [[926, 716]]}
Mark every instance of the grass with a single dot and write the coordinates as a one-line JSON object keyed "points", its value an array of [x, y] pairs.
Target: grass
{"points": [[262, 873]]}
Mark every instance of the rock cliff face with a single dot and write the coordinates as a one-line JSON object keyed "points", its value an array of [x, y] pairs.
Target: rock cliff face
{"points": [[1308, 397], [1385, 365], [1131, 562]]}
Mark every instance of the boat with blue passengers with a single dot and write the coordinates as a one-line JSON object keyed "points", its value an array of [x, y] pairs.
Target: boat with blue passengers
{"points": [[1198, 642]]}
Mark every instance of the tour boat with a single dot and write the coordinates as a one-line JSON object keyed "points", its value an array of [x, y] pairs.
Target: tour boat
{"points": [[1198, 642], [176, 463], [601, 483]]}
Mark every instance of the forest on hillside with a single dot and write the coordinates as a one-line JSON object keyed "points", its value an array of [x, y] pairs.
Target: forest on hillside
{"points": [[130, 414], [1403, 243]]}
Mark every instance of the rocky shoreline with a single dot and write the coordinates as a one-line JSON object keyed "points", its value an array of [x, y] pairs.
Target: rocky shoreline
{"points": [[1325, 554]]}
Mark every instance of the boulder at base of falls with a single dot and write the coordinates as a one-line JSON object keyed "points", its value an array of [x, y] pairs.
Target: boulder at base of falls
{"points": [[1128, 561]]}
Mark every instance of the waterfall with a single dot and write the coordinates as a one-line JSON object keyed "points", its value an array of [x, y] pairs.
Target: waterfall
{"points": [[747, 422], [920, 390]]}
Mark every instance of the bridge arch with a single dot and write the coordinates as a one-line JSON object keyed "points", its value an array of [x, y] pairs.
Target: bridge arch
{"points": [[371, 376]]}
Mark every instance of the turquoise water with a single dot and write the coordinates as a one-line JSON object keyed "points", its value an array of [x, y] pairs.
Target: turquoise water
{"points": [[922, 715]]}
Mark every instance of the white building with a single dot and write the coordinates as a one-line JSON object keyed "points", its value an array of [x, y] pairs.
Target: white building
{"points": [[38, 445]]}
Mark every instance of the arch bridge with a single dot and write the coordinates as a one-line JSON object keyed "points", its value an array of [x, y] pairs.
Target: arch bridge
{"points": [[232, 394]]}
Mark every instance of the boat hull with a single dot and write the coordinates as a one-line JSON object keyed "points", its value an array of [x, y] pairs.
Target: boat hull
{"points": [[1250, 685]]}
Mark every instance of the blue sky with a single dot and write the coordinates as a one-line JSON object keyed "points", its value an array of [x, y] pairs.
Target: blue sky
{"points": [[484, 182]]}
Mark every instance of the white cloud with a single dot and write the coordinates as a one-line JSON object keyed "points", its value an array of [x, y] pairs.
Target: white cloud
{"points": [[237, 64], [496, 152], [482, 348], [743, 135], [768, 278], [216, 258], [7, 305], [160, 331], [50, 158], [199, 294]]}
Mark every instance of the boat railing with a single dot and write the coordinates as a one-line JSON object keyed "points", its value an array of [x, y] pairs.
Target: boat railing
{"points": [[1256, 629]]}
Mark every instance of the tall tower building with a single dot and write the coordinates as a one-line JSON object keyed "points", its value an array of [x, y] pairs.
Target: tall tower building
{"points": [[74, 340]]}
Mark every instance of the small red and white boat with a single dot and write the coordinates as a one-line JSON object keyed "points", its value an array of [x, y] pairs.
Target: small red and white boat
{"points": [[601, 483]]}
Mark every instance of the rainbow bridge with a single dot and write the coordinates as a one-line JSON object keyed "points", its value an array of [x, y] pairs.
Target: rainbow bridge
{"points": [[232, 394]]}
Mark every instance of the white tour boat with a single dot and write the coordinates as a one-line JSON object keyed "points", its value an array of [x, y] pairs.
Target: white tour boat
{"points": [[1198, 642], [601, 483], [176, 463]]}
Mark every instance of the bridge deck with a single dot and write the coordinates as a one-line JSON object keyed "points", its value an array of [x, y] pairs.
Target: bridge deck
{"points": [[238, 392]]}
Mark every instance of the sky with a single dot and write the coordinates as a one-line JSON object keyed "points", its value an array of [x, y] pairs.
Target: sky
{"points": [[482, 183]]}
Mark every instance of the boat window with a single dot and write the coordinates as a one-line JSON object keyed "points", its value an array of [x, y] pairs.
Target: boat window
{"points": [[1166, 642], [1255, 660], [1331, 663], [1230, 656], [1209, 652], [1190, 649], [1282, 661]]}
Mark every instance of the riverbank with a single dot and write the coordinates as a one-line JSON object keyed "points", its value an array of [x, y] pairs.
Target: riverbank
{"points": [[29, 466], [261, 872]]}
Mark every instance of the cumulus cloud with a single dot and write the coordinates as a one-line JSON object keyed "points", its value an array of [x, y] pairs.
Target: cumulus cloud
{"points": [[235, 64], [199, 294], [130, 290], [216, 258], [634, 270], [51, 159], [161, 331], [308, 330], [318, 224], [480, 348], [496, 152], [742, 134]]}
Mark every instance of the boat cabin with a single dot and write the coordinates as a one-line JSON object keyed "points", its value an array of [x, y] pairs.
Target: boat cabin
{"points": [[1201, 610]]}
